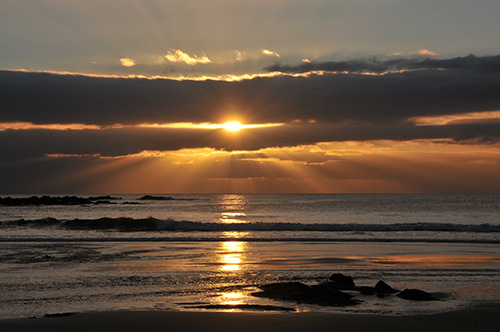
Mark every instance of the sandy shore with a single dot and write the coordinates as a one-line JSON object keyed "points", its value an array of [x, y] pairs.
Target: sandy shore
{"points": [[473, 320]]}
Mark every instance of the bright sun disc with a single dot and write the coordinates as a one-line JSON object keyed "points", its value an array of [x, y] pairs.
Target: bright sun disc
{"points": [[232, 126]]}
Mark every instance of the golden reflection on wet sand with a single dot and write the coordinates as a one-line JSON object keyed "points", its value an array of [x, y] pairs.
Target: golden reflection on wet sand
{"points": [[232, 298], [232, 258], [231, 255]]}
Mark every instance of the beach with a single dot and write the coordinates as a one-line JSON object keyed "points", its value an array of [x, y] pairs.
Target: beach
{"points": [[471, 320], [173, 259]]}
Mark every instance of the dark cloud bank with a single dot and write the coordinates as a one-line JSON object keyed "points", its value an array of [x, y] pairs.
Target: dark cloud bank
{"points": [[487, 64], [22, 144], [468, 84], [345, 107]]}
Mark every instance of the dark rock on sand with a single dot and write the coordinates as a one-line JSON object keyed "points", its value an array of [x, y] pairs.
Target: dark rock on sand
{"points": [[367, 290], [301, 293], [340, 281], [62, 314], [287, 291], [416, 295], [382, 288]]}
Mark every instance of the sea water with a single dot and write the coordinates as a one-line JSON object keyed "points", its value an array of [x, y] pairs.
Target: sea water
{"points": [[194, 252]]}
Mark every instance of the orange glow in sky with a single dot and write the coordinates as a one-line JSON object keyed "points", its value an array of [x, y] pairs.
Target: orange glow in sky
{"points": [[455, 118], [335, 167]]}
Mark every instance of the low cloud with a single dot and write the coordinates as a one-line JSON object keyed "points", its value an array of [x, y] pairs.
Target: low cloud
{"points": [[343, 167], [36, 143], [191, 60]]}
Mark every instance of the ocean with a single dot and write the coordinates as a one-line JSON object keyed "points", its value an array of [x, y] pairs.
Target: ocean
{"points": [[212, 252]]}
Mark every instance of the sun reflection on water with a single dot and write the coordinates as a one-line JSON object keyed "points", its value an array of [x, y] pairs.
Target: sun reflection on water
{"points": [[232, 208], [232, 217]]}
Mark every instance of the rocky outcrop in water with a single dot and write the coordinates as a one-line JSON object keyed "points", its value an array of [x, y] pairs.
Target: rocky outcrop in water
{"points": [[54, 200], [156, 198]]}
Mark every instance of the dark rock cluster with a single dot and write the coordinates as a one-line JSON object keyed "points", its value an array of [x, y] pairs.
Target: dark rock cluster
{"points": [[332, 292], [156, 198], [54, 200], [302, 293], [75, 200]]}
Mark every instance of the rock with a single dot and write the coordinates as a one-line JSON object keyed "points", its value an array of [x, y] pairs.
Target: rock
{"points": [[382, 288], [367, 290], [287, 291], [416, 295], [51, 200], [103, 202], [156, 198], [62, 314], [103, 198], [301, 293], [340, 281]]}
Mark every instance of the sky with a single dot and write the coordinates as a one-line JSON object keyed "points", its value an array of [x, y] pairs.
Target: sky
{"points": [[358, 96]]}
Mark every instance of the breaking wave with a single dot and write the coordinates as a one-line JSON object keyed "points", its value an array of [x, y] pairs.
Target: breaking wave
{"points": [[170, 225]]}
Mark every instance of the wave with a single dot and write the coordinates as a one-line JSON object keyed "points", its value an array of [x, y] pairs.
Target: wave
{"points": [[170, 225], [244, 239]]}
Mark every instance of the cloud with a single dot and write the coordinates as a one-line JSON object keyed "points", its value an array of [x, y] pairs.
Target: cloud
{"points": [[271, 53], [490, 64], [180, 56], [36, 143], [334, 167], [424, 52], [128, 62], [464, 85], [421, 52], [239, 55]]}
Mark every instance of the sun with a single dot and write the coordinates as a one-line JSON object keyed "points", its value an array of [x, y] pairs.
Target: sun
{"points": [[232, 126]]}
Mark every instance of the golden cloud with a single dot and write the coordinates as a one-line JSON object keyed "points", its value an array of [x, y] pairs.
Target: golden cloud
{"points": [[271, 53], [180, 56], [128, 62]]}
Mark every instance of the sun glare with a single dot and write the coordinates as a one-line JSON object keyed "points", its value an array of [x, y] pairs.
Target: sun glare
{"points": [[232, 126]]}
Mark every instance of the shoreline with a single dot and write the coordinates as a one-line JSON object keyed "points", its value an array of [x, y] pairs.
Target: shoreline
{"points": [[486, 319]]}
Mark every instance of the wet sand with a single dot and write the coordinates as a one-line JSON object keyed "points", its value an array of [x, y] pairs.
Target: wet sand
{"points": [[471, 320]]}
